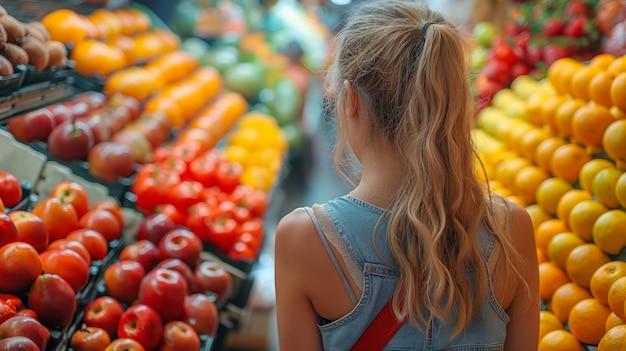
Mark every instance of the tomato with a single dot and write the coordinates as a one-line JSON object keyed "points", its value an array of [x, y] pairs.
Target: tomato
{"points": [[254, 200], [254, 226], [60, 218], [72, 193], [200, 219], [250, 239], [506, 54], [10, 189], [186, 151], [1, 206], [111, 207], [162, 153], [151, 185], [175, 165], [102, 221], [214, 195], [184, 194], [227, 175], [239, 213], [224, 232], [176, 215], [242, 252], [202, 170]]}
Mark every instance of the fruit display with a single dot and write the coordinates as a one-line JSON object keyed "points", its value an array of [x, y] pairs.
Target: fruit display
{"points": [[555, 146]]}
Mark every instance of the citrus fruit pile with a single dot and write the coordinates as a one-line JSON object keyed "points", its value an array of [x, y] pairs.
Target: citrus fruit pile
{"points": [[557, 147]]}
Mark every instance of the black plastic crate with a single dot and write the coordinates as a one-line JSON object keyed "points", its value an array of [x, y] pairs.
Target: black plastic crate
{"points": [[10, 84], [25, 203], [53, 75]]}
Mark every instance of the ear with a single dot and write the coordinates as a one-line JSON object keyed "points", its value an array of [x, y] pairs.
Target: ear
{"points": [[352, 99]]}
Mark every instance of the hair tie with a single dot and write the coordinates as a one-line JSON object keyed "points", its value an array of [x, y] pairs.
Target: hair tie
{"points": [[425, 28]]}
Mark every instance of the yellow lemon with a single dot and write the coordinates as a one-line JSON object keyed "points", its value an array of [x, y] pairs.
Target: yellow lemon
{"points": [[620, 190], [590, 169], [583, 216], [561, 245], [608, 231], [603, 187], [568, 201], [549, 193]]}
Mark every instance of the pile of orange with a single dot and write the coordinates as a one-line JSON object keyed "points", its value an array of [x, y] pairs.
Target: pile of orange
{"points": [[566, 164]]}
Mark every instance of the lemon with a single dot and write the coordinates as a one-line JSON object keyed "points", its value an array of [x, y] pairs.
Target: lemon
{"points": [[583, 216], [590, 169], [549, 193], [620, 190], [608, 231]]}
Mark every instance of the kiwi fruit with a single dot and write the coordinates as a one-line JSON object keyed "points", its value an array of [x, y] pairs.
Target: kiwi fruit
{"points": [[6, 69], [3, 36], [57, 53], [16, 31], [15, 54], [38, 30], [38, 55]]}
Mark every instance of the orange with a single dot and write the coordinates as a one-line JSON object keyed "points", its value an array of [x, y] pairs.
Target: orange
{"points": [[508, 169], [133, 21], [560, 340], [579, 83], [530, 140], [589, 123], [551, 277], [550, 192], [602, 60], [614, 339], [169, 107], [604, 185], [620, 190], [95, 58], [617, 297], [527, 181], [617, 113], [133, 81], [106, 22], [583, 261], [566, 297], [537, 214], [582, 217], [68, 27], [544, 151], [171, 41], [589, 170], [612, 321], [617, 67], [533, 107], [560, 73], [614, 143], [618, 91], [587, 319], [542, 256], [608, 231], [548, 322], [515, 135], [600, 89], [173, 66], [568, 201], [603, 278], [564, 115], [560, 246], [126, 44], [567, 160], [549, 108], [548, 230]]}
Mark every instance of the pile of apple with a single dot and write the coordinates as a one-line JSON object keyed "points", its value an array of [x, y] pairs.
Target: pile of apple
{"points": [[111, 133], [160, 293], [47, 261]]}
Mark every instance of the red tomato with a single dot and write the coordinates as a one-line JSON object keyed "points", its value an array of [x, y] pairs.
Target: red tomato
{"points": [[224, 232], [175, 165], [10, 189], [202, 170], [200, 220], [60, 218], [227, 175], [162, 153], [186, 151], [151, 185], [239, 213], [242, 252], [184, 194], [176, 215], [254, 226], [102, 221], [254, 200], [72, 193]]}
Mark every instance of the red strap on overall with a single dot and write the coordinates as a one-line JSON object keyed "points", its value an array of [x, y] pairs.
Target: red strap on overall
{"points": [[380, 331]]}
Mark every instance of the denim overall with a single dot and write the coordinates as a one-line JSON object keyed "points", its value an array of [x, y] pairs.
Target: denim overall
{"points": [[347, 223]]}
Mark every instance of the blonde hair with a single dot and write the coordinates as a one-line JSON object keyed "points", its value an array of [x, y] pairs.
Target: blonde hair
{"points": [[415, 89]]}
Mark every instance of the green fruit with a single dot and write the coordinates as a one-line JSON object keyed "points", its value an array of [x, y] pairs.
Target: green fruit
{"points": [[221, 58], [478, 58], [245, 78], [286, 102], [196, 47], [484, 32]]}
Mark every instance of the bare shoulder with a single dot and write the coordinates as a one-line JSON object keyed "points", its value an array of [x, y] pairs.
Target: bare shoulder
{"points": [[294, 230], [521, 228]]}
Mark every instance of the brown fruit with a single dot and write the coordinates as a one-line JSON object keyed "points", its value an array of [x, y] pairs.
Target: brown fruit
{"points": [[38, 30], [15, 54], [3, 37], [16, 31], [57, 53], [6, 68], [38, 55]]}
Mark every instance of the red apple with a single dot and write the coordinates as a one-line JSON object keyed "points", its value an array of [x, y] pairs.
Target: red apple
{"points": [[6, 311], [79, 109], [153, 227], [68, 264], [8, 231], [60, 113], [137, 142], [142, 251], [155, 131], [95, 242], [18, 343], [102, 221], [10, 189], [30, 229], [53, 300], [180, 267], [165, 291], [73, 245], [99, 125], [212, 277], [179, 336], [26, 327], [89, 339], [201, 313], [123, 278], [20, 265], [71, 140], [143, 324], [93, 99], [183, 244], [34, 125], [110, 161], [104, 312], [125, 344], [132, 106], [27, 313]]}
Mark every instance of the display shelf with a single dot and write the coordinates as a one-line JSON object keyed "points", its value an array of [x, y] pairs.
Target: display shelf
{"points": [[53, 75], [11, 83], [32, 97]]}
